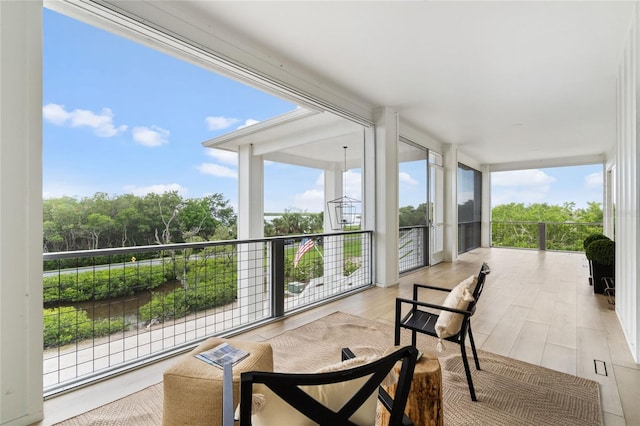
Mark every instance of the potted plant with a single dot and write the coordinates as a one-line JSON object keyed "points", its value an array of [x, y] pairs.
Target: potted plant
{"points": [[601, 253], [585, 243]]}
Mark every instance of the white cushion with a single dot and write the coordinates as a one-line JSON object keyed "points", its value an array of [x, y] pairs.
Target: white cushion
{"points": [[449, 323], [274, 411]]}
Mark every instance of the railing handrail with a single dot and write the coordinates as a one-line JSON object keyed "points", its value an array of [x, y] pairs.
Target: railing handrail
{"points": [[402, 228]]}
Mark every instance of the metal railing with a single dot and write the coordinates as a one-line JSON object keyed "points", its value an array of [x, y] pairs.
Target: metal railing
{"points": [[413, 248], [114, 309], [561, 236]]}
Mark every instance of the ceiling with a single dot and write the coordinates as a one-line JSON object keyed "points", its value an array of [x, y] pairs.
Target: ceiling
{"points": [[506, 82]]}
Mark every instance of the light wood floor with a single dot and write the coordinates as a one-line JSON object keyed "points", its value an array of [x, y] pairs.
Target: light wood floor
{"points": [[537, 307]]}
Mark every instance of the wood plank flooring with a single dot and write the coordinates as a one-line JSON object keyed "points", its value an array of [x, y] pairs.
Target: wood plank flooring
{"points": [[536, 307]]}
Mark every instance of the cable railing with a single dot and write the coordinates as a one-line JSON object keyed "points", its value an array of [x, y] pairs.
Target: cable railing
{"points": [[111, 310], [560, 236], [413, 248]]}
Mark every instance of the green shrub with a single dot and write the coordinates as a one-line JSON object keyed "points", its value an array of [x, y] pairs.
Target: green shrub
{"points": [[104, 283], [350, 267], [593, 237], [308, 268], [601, 251], [180, 302], [68, 324]]}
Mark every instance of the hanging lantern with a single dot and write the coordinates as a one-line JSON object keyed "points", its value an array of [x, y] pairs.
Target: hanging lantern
{"points": [[344, 212]]}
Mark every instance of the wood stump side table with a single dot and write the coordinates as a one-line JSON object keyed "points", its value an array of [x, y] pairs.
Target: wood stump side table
{"points": [[424, 405]]}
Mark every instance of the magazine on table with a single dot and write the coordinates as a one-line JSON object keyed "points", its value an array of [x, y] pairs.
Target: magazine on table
{"points": [[222, 354]]}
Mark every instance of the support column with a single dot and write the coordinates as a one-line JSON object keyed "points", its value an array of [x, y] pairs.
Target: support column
{"points": [[332, 246], [485, 226], [386, 218], [251, 271], [250, 194], [20, 212], [608, 218], [450, 157]]}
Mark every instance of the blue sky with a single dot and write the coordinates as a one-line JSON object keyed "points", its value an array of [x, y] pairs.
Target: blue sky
{"points": [[123, 118], [554, 186]]}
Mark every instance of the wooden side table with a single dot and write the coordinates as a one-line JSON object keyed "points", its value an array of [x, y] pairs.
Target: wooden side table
{"points": [[424, 405]]}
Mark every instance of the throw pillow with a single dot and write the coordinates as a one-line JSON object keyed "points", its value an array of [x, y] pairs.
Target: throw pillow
{"points": [[449, 323], [269, 409]]}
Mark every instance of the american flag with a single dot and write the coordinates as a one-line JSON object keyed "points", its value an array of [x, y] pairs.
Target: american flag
{"points": [[305, 245]]}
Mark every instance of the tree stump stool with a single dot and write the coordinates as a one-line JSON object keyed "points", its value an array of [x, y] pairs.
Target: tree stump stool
{"points": [[424, 405]]}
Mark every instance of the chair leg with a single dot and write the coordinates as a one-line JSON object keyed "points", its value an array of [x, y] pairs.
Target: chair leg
{"points": [[473, 348], [468, 372]]}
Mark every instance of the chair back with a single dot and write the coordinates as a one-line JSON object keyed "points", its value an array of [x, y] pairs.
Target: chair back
{"points": [[482, 275], [287, 387]]}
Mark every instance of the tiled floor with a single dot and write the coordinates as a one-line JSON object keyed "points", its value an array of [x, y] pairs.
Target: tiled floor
{"points": [[537, 307]]}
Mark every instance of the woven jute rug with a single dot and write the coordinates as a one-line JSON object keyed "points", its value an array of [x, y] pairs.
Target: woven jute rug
{"points": [[510, 392]]}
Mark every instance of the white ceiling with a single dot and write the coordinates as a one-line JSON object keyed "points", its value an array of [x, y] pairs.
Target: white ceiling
{"points": [[505, 81]]}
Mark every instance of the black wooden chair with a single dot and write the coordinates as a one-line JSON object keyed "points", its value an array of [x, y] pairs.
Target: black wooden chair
{"points": [[421, 320], [288, 387]]}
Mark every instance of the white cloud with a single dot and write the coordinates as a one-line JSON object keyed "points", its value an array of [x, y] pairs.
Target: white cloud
{"points": [[248, 122], [55, 114], [52, 189], [521, 186], [155, 189], [311, 200], [224, 157], [533, 177], [407, 179], [353, 187], [150, 136], [217, 170], [594, 180], [102, 123], [220, 123]]}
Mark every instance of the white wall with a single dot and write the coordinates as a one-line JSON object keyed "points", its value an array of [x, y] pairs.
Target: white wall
{"points": [[20, 212], [627, 232]]}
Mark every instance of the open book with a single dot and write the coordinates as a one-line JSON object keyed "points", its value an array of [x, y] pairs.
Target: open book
{"points": [[222, 354]]}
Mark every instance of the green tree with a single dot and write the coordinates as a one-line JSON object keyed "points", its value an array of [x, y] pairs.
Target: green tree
{"points": [[295, 222], [411, 216]]}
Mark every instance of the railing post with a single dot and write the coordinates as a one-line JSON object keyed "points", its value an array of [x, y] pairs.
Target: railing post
{"points": [[542, 236], [425, 245], [277, 277]]}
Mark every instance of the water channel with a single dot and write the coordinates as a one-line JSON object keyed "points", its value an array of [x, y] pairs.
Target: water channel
{"points": [[124, 307]]}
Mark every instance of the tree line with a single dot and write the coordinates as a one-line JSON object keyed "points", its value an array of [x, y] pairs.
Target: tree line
{"points": [[103, 221], [515, 212]]}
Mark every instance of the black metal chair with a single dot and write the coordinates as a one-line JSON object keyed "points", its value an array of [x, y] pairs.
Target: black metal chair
{"points": [[419, 320], [287, 387]]}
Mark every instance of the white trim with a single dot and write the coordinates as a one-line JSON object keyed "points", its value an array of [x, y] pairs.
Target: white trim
{"points": [[551, 162]]}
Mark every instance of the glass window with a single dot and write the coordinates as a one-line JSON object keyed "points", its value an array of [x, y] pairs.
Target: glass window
{"points": [[469, 208]]}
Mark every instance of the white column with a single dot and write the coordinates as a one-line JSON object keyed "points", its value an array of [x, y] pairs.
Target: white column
{"points": [[368, 199], [251, 295], [608, 184], [627, 217], [20, 212], [485, 226], [250, 194], [450, 159], [386, 217], [332, 246]]}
